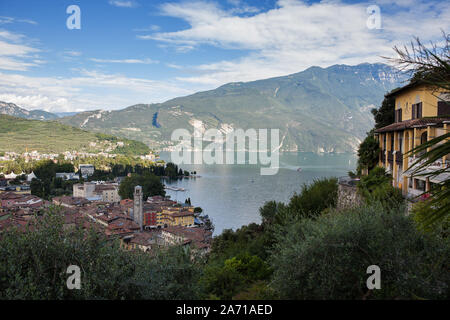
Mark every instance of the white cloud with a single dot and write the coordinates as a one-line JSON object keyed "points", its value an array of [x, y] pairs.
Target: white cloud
{"points": [[87, 90], [15, 55], [7, 20], [126, 61], [73, 53], [123, 4], [296, 34], [149, 28]]}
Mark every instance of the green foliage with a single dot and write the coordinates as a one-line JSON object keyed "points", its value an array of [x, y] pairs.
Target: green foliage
{"points": [[428, 153], [18, 135], [33, 265], [421, 212], [224, 281], [172, 171], [314, 198], [377, 187], [368, 153], [252, 239], [269, 211], [327, 258], [198, 210], [385, 115], [151, 186], [47, 185]]}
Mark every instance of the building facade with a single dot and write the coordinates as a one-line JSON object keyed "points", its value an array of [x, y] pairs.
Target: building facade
{"points": [[421, 114], [106, 192]]}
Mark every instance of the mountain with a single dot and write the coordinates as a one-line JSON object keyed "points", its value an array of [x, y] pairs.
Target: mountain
{"points": [[13, 110], [19, 135], [316, 110]]}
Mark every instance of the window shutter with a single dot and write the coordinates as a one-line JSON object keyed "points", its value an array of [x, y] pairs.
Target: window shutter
{"points": [[413, 115], [443, 108], [400, 115], [419, 110]]}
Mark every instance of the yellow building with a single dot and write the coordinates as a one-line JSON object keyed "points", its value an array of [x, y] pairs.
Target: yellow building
{"points": [[421, 114], [174, 216], [183, 218]]}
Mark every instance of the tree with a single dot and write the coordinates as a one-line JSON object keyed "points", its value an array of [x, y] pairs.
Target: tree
{"points": [[314, 198], [327, 257], [385, 115], [198, 210], [430, 66], [151, 186], [376, 187], [269, 211], [368, 153], [33, 266]]}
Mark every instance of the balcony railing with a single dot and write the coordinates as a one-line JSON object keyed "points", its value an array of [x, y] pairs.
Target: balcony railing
{"points": [[434, 166]]}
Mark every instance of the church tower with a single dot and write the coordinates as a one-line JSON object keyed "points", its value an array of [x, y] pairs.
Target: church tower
{"points": [[137, 208]]}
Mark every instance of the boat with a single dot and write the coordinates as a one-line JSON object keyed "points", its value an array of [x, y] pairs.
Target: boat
{"points": [[174, 188], [299, 169]]}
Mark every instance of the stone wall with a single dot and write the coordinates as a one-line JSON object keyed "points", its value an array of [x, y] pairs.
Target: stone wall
{"points": [[348, 196]]}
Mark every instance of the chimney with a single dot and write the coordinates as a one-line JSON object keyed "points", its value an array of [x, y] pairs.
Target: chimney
{"points": [[137, 208]]}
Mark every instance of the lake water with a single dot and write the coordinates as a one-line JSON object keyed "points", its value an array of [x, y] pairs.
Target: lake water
{"points": [[232, 194]]}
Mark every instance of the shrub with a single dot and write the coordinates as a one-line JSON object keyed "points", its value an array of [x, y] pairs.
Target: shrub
{"points": [[314, 198], [327, 258], [377, 187], [33, 265]]}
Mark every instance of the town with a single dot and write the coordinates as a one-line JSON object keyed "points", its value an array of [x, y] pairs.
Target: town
{"points": [[138, 223]]}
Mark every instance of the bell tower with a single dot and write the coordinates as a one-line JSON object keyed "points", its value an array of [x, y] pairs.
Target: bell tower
{"points": [[137, 208]]}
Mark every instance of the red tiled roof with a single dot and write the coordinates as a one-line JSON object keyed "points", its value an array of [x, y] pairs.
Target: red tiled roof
{"points": [[398, 126]]}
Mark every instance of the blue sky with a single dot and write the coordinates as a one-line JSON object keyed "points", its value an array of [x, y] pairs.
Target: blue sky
{"points": [[138, 51]]}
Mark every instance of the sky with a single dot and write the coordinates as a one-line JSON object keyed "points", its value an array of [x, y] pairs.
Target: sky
{"points": [[127, 52]]}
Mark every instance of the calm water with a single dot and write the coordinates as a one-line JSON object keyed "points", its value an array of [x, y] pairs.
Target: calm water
{"points": [[232, 194]]}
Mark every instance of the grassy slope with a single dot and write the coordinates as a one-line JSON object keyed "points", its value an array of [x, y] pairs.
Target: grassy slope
{"points": [[18, 135]]}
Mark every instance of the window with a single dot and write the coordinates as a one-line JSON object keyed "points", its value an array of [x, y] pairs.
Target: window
{"points": [[443, 108], [420, 185], [398, 115], [416, 111]]}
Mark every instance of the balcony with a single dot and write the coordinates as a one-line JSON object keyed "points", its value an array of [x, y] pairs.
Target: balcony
{"points": [[434, 166]]}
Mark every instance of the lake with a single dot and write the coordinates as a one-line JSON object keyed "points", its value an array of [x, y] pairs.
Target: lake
{"points": [[232, 194]]}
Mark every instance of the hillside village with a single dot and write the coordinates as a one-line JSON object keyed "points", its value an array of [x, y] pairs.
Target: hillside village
{"points": [[146, 225]]}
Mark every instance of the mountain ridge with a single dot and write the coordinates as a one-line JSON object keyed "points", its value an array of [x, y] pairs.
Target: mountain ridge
{"points": [[11, 109], [317, 110]]}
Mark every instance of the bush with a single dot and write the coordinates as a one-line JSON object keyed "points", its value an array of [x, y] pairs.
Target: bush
{"points": [[421, 213], [33, 265], [235, 274], [314, 198], [377, 187], [327, 258]]}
